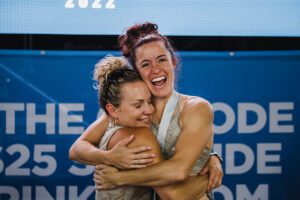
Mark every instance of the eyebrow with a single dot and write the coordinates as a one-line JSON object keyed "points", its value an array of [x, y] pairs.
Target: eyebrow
{"points": [[146, 60], [133, 100], [139, 100], [161, 56]]}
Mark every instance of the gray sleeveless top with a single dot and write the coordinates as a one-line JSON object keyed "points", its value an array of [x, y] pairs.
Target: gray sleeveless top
{"points": [[124, 192], [171, 139]]}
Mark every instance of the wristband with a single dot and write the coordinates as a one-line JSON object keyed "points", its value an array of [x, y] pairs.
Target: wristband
{"points": [[218, 156]]}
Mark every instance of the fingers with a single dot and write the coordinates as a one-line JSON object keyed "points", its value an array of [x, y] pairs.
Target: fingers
{"points": [[211, 181], [142, 161], [97, 179], [127, 141], [215, 179], [219, 178], [100, 185], [100, 167], [219, 181], [144, 156], [140, 149], [203, 171], [101, 177], [215, 173]]}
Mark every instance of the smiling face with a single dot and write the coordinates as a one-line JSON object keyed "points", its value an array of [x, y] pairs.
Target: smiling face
{"points": [[156, 67], [136, 107]]}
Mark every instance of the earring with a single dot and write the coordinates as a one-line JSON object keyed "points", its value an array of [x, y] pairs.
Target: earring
{"points": [[114, 122]]}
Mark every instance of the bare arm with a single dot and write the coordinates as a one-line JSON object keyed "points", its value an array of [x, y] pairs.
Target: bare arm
{"points": [[196, 133], [193, 187], [84, 149]]}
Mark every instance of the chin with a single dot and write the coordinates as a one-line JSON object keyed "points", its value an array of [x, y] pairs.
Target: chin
{"points": [[148, 125], [161, 94]]}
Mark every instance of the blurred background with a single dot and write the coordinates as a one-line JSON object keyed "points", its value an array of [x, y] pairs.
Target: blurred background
{"points": [[243, 56]]}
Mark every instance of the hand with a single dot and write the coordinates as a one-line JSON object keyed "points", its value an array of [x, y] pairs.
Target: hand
{"points": [[215, 173], [103, 177], [124, 157]]}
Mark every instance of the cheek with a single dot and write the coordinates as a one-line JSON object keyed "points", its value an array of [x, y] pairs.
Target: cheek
{"points": [[131, 114], [144, 73], [170, 66], [136, 114]]}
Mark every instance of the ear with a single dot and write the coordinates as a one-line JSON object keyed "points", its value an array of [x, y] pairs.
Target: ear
{"points": [[174, 61], [112, 110]]}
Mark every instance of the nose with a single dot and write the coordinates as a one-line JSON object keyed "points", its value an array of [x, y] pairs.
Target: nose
{"points": [[149, 109], [156, 67]]}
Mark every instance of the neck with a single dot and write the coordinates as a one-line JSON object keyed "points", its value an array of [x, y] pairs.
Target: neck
{"points": [[160, 104]]}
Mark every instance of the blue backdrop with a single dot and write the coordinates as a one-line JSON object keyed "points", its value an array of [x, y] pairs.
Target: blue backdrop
{"points": [[47, 100], [109, 17]]}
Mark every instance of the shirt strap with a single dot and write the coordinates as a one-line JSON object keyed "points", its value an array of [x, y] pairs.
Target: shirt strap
{"points": [[166, 118]]}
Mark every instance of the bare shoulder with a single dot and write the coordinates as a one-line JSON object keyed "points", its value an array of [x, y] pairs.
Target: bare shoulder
{"points": [[141, 135], [191, 104], [136, 131], [119, 135]]}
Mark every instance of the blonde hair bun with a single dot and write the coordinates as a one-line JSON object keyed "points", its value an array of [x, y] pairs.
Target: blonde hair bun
{"points": [[106, 66]]}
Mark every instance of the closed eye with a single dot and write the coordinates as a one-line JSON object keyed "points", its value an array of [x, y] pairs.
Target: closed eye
{"points": [[150, 101], [145, 65], [138, 105]]}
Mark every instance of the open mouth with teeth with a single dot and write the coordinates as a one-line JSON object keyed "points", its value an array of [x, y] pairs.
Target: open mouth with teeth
{"points": [[145, 120], [158, 81]]}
